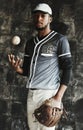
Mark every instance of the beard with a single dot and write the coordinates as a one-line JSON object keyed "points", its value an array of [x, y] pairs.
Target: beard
{"points": [[41, 28]]}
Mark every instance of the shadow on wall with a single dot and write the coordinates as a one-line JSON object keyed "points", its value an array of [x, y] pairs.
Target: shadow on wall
{"points": [[14, 120], [60, 27], [78, 109]]}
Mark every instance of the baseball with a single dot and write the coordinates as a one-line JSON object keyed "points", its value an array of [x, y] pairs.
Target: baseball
{"points": [[16, 40]]}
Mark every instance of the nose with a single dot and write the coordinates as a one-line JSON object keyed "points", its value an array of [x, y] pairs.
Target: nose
{"points": [[39, 18]]}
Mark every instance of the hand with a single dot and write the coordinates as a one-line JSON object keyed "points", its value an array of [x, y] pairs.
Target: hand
{"points": [[54, 103], [15, 63]]}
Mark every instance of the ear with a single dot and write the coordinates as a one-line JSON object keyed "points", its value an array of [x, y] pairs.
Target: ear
{"points": [[50, 19]]}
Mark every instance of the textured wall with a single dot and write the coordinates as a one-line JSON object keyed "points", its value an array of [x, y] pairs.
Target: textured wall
{"points": [[15, 19]]}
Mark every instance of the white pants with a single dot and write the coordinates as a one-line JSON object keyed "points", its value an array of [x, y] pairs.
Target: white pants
{"points": [[35, 99]]}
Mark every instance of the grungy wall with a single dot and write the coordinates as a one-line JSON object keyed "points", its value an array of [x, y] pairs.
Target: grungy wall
{"points": [[15, 19]]}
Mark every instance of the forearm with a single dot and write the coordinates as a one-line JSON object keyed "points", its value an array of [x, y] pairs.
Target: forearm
{"points": [[60, 92], [66, 66], [65, 79]]}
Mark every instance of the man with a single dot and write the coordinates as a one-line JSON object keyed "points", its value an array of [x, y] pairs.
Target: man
{"points": [[45, 55]]}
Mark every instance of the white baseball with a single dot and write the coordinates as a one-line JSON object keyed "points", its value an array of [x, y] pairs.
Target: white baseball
{"points": [[16, 40]]}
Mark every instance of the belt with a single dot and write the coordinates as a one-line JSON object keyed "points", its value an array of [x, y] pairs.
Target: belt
{"points": [[33, 89]]}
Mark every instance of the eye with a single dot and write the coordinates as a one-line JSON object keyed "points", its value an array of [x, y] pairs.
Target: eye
{"points": [[43, 15], [39, 15]]}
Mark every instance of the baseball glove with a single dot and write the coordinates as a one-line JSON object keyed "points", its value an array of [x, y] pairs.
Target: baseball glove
{"points": [[49, 113]]}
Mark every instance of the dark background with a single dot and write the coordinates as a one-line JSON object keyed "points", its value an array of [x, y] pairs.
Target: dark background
{"points": [[15, 19]]}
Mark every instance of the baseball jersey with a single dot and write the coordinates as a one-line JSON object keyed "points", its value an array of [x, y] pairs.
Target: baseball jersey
{"points": [[41, 60]]}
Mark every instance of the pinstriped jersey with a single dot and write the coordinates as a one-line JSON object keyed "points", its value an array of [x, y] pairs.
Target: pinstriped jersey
{"points": [[43, 60]]}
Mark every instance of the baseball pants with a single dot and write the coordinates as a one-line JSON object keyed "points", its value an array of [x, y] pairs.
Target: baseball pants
{"points": [[34, 100]]}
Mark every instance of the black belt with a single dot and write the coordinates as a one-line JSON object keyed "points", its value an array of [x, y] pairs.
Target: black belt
{"points": [[33, 89]]}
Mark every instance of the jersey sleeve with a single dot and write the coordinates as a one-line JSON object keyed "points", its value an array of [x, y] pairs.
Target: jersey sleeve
{"points": [[64, 48]]}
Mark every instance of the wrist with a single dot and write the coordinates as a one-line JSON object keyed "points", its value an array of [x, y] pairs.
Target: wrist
{"points": [[19, 70], [58, 97]]}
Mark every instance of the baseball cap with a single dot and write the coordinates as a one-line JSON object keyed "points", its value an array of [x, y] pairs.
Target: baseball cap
{"points": [[44, 8]]}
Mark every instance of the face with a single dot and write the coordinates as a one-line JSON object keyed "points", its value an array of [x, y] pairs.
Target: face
{"points": [[41, 20]]}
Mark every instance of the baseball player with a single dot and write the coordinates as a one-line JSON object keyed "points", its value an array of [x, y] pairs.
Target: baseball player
{"points": [[47, 63]]}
